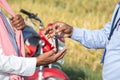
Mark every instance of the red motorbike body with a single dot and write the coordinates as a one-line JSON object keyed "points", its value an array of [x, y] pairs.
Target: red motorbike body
{"points": [[49, 72]]}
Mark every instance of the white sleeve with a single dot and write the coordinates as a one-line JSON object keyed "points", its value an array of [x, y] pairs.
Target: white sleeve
{"points": [[17, 65]]}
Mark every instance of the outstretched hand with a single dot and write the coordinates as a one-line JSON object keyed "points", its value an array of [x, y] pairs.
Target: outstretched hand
{"points": [[60, 28], [50, 57]]}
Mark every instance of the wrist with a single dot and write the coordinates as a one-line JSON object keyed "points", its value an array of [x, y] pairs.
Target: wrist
{"points": [[71, 28], [37, 62]]}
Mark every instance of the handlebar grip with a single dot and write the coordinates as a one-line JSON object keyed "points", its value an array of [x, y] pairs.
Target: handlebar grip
{"points": [[25, 12], [31, 15]]}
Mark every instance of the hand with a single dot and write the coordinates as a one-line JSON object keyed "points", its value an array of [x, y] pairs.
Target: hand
{"points": [[62, 29], [50, 57], [17, 22]]}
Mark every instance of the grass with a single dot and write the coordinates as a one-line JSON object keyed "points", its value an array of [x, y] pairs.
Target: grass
{"points": [[80, 63]]}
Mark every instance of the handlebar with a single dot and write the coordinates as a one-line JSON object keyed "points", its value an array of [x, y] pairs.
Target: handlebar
{"points": [[31, 15]]}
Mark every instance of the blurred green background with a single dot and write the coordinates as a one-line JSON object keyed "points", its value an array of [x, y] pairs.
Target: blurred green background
{"points": [[80, 63]]}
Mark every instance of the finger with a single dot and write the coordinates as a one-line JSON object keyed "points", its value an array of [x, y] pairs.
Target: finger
{"points": [[51, 52], [61, 29], [20, 27], [60, 34], [14, 19], [63, 34], [55, 26], [60, 53], [11, 18], [51, 35], [62, 56], [48, 30], [17, 21], [51, 28], [66, 35], [19, 24], [17, 17]]}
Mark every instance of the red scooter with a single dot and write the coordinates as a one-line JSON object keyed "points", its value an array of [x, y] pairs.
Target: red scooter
{"points": [[38, 44]]}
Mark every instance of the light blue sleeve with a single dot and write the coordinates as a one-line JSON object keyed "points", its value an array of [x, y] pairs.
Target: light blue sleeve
{"points": [[92, 38]]}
